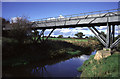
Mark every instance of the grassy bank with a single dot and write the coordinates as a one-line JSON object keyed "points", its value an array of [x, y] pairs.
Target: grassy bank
{"points": [[107, 67], [15, 54]]}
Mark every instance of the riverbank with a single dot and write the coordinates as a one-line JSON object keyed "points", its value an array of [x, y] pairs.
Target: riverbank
{"points": [[21, 56], [15, 54], [106, 67]]}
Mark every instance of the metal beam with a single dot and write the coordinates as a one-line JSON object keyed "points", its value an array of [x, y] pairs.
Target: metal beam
{"points": [[115, 43], [113, 33], [34, 35], [80, 19], [42, 32], [102, 37], [50, 34], [99, 38], [108, 36]]}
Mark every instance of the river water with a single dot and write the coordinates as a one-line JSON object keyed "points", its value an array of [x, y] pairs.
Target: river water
{"points": [[67, 68]]}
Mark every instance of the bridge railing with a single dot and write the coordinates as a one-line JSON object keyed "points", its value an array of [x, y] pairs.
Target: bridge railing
{"points": [[75, 16]]}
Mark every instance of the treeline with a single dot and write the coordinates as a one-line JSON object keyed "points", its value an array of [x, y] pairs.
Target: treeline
{"points": [[18, 29]]}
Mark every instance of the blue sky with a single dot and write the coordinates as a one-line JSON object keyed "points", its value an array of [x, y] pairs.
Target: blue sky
{"points": [[38, 10]]}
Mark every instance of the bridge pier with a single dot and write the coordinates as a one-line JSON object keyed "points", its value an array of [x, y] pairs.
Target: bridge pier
{"points": [[109, 41], [113, 33]]}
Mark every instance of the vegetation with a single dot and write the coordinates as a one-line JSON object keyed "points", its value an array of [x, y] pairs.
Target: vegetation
{"points": [[20, 46], [50, 49], [107, 67], [20, 29], [79, 35], [60, 36]]}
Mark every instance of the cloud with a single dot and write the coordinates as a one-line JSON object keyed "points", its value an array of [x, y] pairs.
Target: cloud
{"points": [[60, 16], [65, 30], [14, 19], [82, 28], [102, 28], [51, 18], [72, 31]]}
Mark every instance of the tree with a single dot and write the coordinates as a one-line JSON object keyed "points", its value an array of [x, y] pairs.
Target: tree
{"points": [[86, 37], [60, 36], [4, 22], [79, 35], [20, 29], [69, 37], [103, 33]]}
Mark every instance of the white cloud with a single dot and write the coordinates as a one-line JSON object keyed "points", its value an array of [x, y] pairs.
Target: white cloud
{"points": [[14, 19], [102, 27], [65, 30], [60, 16], [72, 31], [51, 18]]}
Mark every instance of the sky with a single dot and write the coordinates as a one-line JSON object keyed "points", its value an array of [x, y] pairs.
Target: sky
{"points": [[39, 10]]}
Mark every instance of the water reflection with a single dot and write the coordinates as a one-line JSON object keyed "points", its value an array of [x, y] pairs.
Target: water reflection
{"points": [[66, 68], [50, 68], [41, 71]]}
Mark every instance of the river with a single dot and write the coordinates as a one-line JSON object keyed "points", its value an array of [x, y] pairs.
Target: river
{"points": [[66, 68]]}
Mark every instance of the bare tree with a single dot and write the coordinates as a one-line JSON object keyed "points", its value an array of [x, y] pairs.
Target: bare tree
{"points": [[21, 28]]}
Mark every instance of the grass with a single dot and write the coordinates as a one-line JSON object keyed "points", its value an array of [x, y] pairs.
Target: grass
{"points": [[67, 39], [107, 67], [18, 54]]}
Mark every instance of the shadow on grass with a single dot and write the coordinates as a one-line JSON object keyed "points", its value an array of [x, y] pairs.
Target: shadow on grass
{"points": [[17, 57], [49, 51]]}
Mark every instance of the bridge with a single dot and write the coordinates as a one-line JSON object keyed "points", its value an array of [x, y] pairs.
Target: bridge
{"points": [[109, 18]]}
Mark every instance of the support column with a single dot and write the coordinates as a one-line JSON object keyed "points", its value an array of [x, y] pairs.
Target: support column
{"points": [[108, 36], [113, 33]]}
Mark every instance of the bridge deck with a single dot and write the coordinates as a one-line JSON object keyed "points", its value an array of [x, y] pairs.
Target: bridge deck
{"points": [[97, 18], [100, 19]]}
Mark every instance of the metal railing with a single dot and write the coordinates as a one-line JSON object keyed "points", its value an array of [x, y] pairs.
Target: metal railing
{"points": [[77, 16]]}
